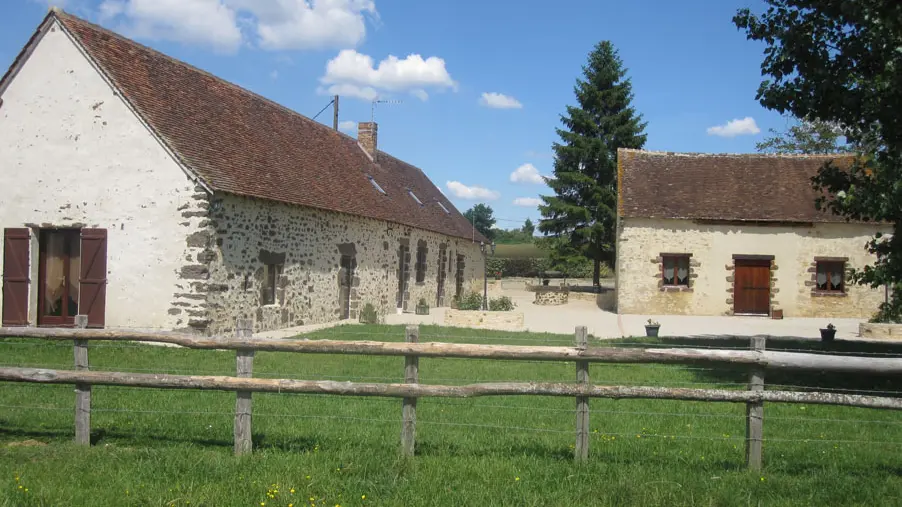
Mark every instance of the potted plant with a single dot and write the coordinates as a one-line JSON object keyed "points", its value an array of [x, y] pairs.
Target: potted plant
{"points": [[828, 333], [422, 307], [498, 275], [651, 328]]}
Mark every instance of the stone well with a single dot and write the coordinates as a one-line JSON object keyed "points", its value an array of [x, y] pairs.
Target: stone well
{"points": [[547, 295], [880, 331]]}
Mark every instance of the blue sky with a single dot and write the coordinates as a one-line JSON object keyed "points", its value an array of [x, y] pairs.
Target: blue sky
{"points": [[694, 74]]}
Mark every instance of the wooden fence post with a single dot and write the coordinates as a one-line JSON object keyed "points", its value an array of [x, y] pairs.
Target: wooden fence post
{"points": [[581, 452], [245, 366], [754, 411], [409, 405], [82, 391]]}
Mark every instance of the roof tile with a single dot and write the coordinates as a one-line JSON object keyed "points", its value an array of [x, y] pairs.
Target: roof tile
{"points": [[751, 187], [239, 142]]}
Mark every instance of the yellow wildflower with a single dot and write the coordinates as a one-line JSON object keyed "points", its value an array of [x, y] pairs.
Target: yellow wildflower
{"points": [[291, 491], [363, 497]]}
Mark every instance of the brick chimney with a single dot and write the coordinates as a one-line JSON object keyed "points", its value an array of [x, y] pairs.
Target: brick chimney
{"points": [[367, 132]]}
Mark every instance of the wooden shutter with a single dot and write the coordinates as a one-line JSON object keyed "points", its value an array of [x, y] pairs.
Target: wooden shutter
{"points": [[92, 301], [16, 244]]}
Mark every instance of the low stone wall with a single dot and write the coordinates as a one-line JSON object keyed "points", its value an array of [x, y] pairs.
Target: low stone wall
{"points": [[552, 296], [607, 300], [880, 331], [484, 320]]}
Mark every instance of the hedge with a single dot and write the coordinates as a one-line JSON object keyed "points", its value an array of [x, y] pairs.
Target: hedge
{"points": [[535, 267]]}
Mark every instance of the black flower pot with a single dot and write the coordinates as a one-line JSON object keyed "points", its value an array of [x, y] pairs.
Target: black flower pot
{"points": [[652, 331], [827, 335]]}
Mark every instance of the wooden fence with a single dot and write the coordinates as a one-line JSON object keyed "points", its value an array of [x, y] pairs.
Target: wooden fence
{"points": [[756, 361]]}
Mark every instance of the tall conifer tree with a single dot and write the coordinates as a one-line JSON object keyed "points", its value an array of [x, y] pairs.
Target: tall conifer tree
{"points": [[581, 216]]}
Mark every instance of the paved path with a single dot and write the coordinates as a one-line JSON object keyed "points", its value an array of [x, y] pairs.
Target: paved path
{"points": [[601, 324], [606, 325]]}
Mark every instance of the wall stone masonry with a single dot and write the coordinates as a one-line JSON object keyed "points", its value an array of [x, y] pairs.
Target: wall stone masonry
{"points": [[794, 248], [505, 321], [310, 243], [552, 296]]}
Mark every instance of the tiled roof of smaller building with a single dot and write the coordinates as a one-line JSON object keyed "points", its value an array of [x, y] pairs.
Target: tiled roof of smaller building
{"points": [[746, 187], [242, 143]]}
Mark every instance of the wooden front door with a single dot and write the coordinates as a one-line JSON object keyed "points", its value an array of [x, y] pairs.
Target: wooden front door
{"points": [[751, 287], [59, 277]]}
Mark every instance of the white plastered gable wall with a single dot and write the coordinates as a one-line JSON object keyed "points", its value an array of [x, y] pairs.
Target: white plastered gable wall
{"points": [[72, 152]]}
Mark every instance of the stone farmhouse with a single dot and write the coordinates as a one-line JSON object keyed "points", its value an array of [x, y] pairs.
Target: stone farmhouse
{"points": [[146, 193], [705, 234]]}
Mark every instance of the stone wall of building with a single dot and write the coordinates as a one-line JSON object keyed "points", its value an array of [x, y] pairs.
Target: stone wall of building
{"points": [[245, 235], [795, 250]]}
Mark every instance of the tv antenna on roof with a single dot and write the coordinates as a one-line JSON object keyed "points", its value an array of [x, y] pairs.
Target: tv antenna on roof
{"points": [[378, 101]]}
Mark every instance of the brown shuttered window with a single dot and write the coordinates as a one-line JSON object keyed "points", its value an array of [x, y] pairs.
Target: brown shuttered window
{"points": [[16, 244], [92, 301]]}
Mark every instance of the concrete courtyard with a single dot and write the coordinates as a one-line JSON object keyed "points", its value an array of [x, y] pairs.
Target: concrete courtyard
{"points": [[605, 324]]}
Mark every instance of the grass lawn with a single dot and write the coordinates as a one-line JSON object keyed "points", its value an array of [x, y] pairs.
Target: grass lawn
{"points": [[161, 448]]}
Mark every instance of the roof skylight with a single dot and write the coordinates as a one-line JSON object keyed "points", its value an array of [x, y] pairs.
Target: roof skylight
{"points": [[415, 198], [376, 185], [443, 207]]}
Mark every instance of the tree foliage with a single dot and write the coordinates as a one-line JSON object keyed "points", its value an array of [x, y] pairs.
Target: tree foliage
{"points": [[581, 215], [515, 236], [528, 228], [806, 137], [840, 61], [483, 219]]}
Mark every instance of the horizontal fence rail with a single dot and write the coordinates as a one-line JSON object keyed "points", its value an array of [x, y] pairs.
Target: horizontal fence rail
{"points": [[265, 385], [756, 361], [768, 360]]}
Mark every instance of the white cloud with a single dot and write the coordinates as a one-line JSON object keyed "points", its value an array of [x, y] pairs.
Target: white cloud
{"points": [[529, 202], [420, 94], [217, 24], [527, 173], [274, 75], [737, 127], [499, 101], [307, 24], [350, 90], [202, 22], [353, 72], [471, 193], [347, 125]]}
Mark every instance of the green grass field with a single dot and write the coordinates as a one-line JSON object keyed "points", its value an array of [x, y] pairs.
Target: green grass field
{"points": [[520, 251], [174, 448]]}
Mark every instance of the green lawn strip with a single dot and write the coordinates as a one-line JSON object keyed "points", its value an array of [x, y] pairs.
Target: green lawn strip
{"points": [[165, 447]]}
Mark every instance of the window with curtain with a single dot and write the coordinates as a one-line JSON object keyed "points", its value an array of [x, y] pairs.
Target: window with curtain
{"points": [[676, 270], [831, 276]]}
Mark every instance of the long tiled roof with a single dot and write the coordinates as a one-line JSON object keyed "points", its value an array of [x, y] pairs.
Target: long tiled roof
{"points": [[239, 142], [753, 187]]}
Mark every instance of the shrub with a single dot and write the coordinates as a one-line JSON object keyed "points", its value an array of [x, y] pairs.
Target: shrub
{"points": [[528, 267], [502, 304], [368, 314], [470, 301]]}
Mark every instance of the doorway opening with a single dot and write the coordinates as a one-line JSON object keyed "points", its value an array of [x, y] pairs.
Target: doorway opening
{"points": [[59, 276], [751, 287]]}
